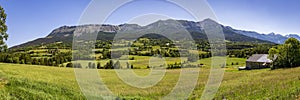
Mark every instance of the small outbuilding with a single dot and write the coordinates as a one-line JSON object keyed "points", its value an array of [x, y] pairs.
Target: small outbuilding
{"points": [[258, 61]]}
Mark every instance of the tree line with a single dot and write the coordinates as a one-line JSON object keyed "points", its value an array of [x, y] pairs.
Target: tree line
{"points": [[247, 52], [25, 58], [109, 65]]}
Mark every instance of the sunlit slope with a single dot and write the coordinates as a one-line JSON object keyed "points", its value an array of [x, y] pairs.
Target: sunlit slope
{"points": [[39, 82]]}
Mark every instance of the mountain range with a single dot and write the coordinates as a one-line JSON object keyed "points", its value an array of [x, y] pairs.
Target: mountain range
{"points": [[107, 32], [272, 37]]}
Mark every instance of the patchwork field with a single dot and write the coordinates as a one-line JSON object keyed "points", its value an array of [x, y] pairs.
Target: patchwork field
{"points": [[141, 62], [41, 82]]}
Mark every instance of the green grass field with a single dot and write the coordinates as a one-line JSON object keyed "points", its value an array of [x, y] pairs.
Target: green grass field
{"points": [[42, 82], [143, 61]]}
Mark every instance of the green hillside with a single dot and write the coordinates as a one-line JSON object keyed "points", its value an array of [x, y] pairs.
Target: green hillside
{"points": [[41, 82]]}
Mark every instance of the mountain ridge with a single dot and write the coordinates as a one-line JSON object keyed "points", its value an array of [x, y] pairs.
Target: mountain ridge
{"points": [[65, 33]]}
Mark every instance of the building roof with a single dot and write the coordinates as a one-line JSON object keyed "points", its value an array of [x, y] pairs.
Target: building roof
{"points": [[259, 58]]}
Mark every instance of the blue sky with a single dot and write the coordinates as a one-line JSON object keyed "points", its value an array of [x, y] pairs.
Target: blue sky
{"points": [[31, 19]]}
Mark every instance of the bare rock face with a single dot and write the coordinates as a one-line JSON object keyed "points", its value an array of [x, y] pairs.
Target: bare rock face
{"points": [[62, 31], [188, 25], [167, 27]]}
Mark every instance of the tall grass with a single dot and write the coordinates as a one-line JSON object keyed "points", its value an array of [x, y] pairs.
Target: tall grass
{"points": [[40, 82]]}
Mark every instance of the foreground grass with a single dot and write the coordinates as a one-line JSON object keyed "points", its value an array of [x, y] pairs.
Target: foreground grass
{"points": [[39, 82], [36, 82]]}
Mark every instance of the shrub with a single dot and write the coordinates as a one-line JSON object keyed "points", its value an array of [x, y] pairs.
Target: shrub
{"points": [[69, 65], [99, 66]]}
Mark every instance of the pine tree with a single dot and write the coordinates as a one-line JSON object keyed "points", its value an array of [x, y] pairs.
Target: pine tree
{"points": [[3, 29]]}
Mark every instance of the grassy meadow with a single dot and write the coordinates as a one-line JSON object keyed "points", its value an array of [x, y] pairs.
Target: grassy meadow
{"points": [[42, 82]]}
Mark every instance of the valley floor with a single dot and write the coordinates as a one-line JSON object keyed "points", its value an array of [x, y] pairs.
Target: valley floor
{"points": [[42, 82]]}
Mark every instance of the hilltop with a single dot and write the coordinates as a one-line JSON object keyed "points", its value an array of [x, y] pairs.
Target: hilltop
{"points": [[107, 32]]}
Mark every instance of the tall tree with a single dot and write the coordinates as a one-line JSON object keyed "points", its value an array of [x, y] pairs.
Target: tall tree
{"points": [[287, 55], [3, 29], [292, 47]]}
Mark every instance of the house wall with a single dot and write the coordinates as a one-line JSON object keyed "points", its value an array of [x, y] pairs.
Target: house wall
{"points": [[256, 65]]}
